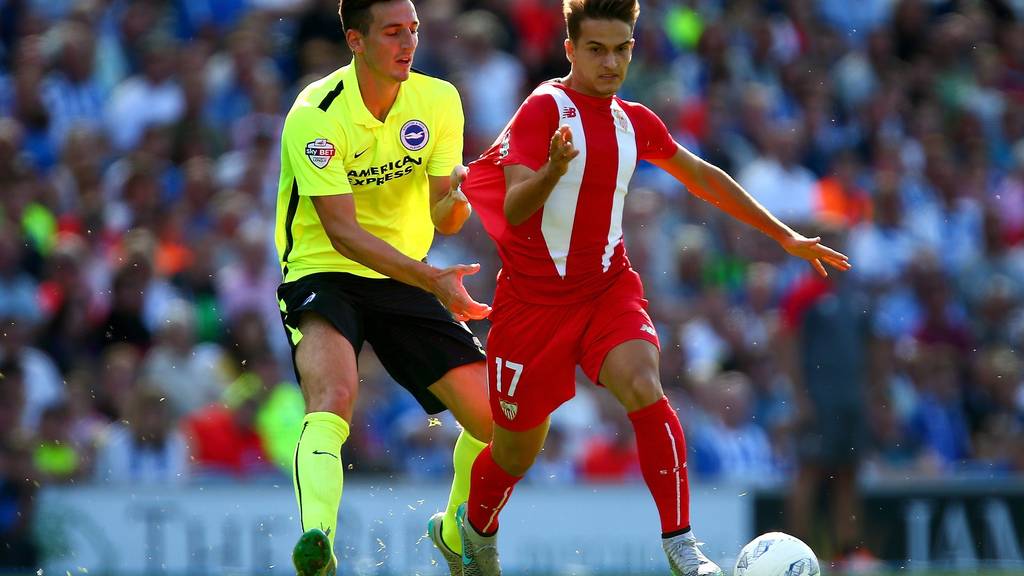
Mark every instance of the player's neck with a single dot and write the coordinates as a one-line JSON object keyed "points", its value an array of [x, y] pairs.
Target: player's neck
{"points": [[379, 93]]}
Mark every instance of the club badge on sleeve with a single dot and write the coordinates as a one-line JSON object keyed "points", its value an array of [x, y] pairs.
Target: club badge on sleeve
{"points": [[320, 152]]}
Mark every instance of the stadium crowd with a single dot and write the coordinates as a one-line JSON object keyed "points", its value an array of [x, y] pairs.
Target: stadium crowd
{"points": [[141, 339]]}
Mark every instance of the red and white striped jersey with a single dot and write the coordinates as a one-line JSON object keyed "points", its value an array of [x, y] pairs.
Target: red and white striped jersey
{"points": [[572, 248]]}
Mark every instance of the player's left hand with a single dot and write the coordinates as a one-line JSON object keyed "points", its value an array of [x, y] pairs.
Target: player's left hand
{"points": [[812, 250], [457, 176]]}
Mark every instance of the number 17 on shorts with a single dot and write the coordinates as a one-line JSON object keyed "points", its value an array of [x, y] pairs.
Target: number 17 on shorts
{"points": [[508, 407]]}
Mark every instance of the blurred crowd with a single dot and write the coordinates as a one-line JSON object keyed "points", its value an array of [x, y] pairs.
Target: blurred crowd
{"points": [[141, 339]]}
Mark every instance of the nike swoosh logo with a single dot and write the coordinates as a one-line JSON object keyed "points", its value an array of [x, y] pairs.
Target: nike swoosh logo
{"points": [[327, 453], [361, 153]]}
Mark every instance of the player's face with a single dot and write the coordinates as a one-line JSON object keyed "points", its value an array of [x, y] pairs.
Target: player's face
{"points": [[390, 44], [600, 56]]}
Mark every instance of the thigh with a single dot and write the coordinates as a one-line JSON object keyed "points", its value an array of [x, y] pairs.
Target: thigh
{"points": [[618, 316], [418, 341], [326, 362], [324, 331], [464, 391], [323, 294], [532, 352]]}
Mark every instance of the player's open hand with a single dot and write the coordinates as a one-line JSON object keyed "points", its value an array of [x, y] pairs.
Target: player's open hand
{"points": [[812, 250], [449, 290], [561, 151]]}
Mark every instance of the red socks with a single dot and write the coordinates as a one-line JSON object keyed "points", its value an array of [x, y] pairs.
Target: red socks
{"points": [[489, 490], [662, 449]]}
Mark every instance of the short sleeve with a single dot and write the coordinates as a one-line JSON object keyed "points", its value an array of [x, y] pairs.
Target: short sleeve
{"points": [[315, 149], [447, 152], [528, 137], [653, 140]]}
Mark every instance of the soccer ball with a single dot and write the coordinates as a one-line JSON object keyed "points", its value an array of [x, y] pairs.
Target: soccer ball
{"points": [[776, 554]]}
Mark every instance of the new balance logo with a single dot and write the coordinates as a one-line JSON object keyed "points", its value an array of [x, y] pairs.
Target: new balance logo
{"points": [[331, 454], [509, 408], [649, 329], [568, 112]]}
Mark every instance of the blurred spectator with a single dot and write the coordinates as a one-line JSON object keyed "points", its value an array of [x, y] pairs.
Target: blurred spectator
{"points": [[223, 437], [70, 303], [124, 322], [426, 444], [87, 424], [56, 457], [828, 341], [116, 380], [41, 376], [839, 197], [490, 81], [777, 179], [17, 287], [247, 282], [881, 246], [938, 423], [72, 93], [145, 447], [279, 419], [18, 547], [189, 374], [152, 97], [12, 398], [610, 455], [554, 464], [730, 447]]}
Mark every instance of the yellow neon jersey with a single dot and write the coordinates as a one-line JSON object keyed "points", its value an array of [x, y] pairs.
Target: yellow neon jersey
{"points": [[331, 144]]}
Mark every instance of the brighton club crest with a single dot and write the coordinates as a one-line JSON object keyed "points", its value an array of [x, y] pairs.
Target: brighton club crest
{"points": [[414, 135], [320, 152]]}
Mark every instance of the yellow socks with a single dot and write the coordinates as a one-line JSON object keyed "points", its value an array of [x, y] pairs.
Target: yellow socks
{"points": [[466, 450], [317, 473]]}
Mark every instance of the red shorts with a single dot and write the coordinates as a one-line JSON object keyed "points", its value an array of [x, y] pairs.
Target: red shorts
{"points": [[533, 350]]}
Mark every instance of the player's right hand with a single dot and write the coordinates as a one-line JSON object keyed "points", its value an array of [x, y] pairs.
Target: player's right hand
{"points": [[449, 290], [561, 151]]}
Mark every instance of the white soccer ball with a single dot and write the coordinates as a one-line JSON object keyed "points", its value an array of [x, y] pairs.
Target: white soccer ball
{"points": [[776, 554]]}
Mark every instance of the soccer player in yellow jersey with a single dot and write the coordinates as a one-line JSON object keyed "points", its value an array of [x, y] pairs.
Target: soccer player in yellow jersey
{"points": [[370, 167]]}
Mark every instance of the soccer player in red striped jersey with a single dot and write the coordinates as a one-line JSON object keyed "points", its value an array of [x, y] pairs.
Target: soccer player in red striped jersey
{"points": [[550, 193]]}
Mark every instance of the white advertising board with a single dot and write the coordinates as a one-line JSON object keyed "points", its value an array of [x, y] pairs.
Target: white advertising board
{"points": [[229, 529]]}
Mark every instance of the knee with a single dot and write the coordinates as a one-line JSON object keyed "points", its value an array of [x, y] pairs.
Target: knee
{"points": [[515, 462], [327, 392], [640, 390], [329, 396]]}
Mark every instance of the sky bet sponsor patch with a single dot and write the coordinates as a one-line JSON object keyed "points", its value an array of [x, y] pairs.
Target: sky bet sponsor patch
{"points": [[320, 152]]}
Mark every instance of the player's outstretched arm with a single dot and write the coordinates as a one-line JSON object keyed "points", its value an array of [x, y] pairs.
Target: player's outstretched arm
{"points": [[711, 184], [449, 208], [526, 190], [338, 215]]}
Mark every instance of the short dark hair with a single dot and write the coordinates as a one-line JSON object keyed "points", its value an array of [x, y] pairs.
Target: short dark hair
{"points": [[355, 14], [576, 11]]}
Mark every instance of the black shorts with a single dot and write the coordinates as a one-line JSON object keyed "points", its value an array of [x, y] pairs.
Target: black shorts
{"points": [[414, 336]]}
